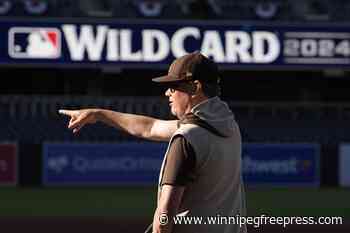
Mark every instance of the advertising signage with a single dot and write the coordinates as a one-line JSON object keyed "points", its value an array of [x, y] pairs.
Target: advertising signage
{"points": [[102, 164], [8, 164], [135, 164], [284, 165], [344, 163], [156, 43]]}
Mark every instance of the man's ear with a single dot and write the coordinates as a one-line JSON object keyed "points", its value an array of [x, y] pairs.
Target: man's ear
{"points": [[197, 86]]}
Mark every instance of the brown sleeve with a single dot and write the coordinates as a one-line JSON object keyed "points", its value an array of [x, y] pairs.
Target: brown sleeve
{"points": [[180, 163]]}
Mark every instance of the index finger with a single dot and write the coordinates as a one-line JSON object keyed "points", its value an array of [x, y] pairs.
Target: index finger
{"points": [[66, 112]]}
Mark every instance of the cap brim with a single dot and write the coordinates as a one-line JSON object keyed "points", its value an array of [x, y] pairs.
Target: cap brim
{"points": [[166, 79]]}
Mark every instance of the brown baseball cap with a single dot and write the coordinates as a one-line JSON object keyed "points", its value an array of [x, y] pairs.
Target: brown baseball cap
{"points": [[190, 67]]}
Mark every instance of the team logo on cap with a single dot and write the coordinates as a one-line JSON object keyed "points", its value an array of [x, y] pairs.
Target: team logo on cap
{"points": [[34, 43]]}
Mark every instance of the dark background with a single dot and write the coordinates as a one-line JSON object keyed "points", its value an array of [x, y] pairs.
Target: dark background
{"points": [[315, 110]]}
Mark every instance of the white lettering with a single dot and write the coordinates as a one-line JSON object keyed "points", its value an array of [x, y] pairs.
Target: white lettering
{"points": [[126, 47], [80, 164], [212, 46], [155, 45], [272, 49], [270, 166], [112, 45], [150, 38], [237, 47], [309, 48], [85, 42], [178, 40], [123, 164]]}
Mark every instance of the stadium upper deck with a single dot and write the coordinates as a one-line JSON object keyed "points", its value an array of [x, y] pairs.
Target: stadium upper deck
{"points": [[274, 10]]}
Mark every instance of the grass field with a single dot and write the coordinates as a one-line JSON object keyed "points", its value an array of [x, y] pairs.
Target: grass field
{"points": [[140, 202]]}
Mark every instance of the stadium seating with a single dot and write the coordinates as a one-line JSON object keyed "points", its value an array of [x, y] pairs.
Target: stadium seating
{"points": [[35, 119], [277, 10]]}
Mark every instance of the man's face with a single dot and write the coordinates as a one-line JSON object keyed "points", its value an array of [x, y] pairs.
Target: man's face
{"points": [[179, 101]]}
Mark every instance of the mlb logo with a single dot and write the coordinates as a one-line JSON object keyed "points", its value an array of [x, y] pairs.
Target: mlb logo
{"points": [[34, 43]]}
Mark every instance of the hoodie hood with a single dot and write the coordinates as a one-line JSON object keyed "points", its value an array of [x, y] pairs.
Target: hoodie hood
{"points": [[217, 115]]}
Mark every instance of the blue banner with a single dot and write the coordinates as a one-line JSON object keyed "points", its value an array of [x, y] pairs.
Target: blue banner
{"points": [[344, 164], [156, 43], [102, 164], [139, 164], [281, 164]]}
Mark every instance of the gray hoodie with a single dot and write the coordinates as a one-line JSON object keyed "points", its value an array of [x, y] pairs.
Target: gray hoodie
{"points": [[217, 189]]}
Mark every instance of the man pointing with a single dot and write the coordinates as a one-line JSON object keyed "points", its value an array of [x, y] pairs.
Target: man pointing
{"points": [[201, 171]]}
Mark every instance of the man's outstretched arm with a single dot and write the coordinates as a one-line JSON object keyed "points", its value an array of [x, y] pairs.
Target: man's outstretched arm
{"points": [[136, 125]]}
